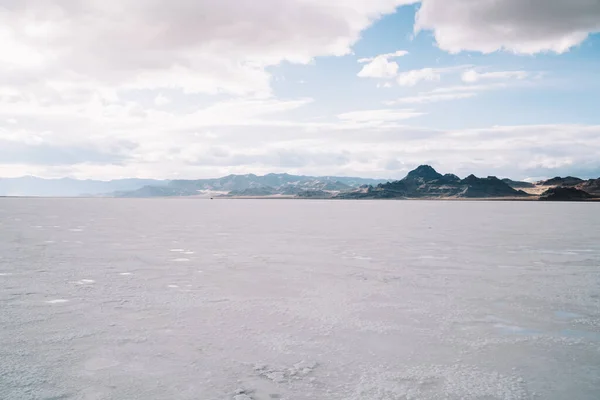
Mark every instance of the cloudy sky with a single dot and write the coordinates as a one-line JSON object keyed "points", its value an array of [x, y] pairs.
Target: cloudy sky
{"points": [[203, 88]]}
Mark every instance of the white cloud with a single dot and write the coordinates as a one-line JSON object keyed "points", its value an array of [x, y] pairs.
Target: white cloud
{"points": [[449, 93], [199, 46], [378, 116], [415, 76], [469, 88], [161, 100], [429, 97], [472, 76], [399, 53], [240, 112], [518, 26], [381, 66], [411, 78]]}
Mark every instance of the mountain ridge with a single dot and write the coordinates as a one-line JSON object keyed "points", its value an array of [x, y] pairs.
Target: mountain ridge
{"points": [[423, 182]]}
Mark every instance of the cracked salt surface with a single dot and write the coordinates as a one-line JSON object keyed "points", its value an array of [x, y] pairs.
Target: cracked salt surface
{"points": [[279, 375], [448, 382], [308, 301]]}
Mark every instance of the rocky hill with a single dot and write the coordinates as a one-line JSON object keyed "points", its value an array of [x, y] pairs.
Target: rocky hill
{"points": [[426, 182], [564, 193], [568, 188], [558, 181], [591, 186]]}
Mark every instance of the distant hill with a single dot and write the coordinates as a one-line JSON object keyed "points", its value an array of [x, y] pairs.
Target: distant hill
{"points": [[254, 192], [252, 185], [314, 194], [67, 187], [426, 182]]}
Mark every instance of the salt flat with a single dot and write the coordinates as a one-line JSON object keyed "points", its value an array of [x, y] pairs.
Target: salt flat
{"points": [[280, 299]]}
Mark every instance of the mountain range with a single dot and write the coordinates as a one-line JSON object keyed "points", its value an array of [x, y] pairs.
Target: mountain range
{"points": [[239, 185], [250, 185], [68, 187], [424, 182]]}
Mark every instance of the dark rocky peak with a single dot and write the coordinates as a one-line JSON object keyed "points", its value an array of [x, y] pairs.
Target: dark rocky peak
{"points": [[488, 187], [448, 179], [423, 173], [470, 180], [490, 180]]}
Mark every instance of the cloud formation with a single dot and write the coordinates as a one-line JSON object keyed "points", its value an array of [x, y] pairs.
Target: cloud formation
{"points": [[381, 66], [429, 97], [411, 78], [519, 26], [186, 88], [415, 76], [378, 117], [199, 46], [365, 148], [472, 76]]}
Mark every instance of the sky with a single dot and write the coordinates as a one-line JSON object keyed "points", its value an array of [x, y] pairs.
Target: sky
{"points": [[373, 88]]}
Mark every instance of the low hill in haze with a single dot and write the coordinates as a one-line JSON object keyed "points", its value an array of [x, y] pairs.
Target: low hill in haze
{"points": [[253, 185]]}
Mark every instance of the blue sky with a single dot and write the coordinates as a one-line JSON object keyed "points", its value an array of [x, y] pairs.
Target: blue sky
{"points": [[368, 88], [566, 93]]}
